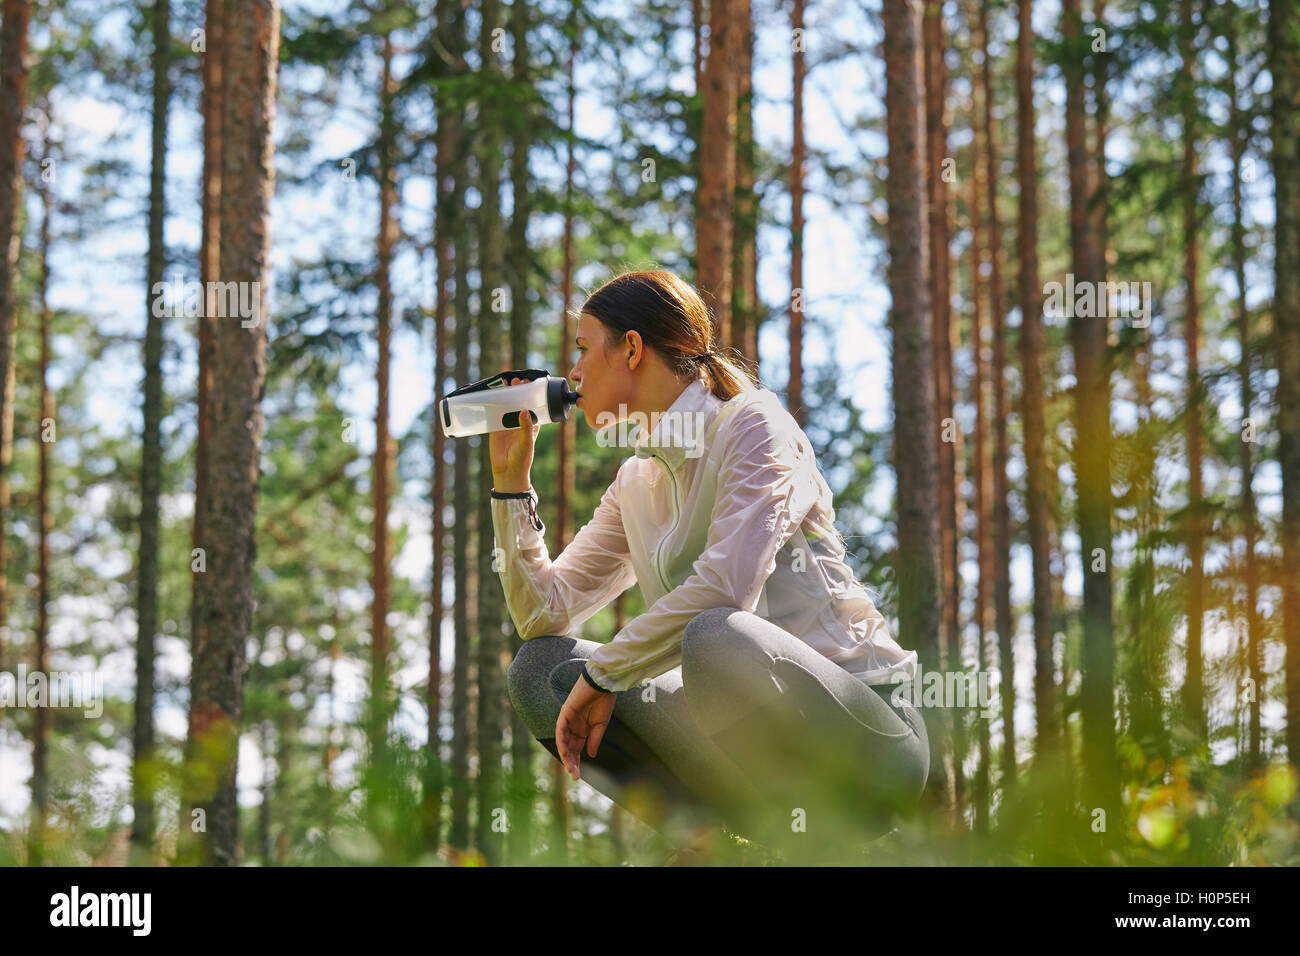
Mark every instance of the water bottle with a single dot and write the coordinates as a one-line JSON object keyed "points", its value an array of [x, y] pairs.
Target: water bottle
{"points": [[493, 405]]}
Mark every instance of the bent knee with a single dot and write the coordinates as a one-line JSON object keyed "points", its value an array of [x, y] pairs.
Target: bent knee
{"points": [[535, 660], [708, 623]]}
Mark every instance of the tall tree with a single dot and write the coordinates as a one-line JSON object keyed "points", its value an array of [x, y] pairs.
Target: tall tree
{"points": [[1238, 138], [491, 272], [209, 271], [13, 99], [45, 526], [912, 382], [151, 447], [380, 570], [982, 464], [744, 255], [561, 812], [717, 170], [1032, 354], [794, 392], [462, 570], [1001, 490], [1194, 687], [949, 438], [250, 56], [1091, 446], [443, 251], [522, 745], [1284, 64]]}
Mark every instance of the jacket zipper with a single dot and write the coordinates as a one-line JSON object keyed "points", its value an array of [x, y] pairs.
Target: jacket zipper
{"points": [[677, 516]]}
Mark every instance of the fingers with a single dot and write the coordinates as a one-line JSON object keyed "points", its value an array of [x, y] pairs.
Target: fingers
{"points": [[597, 734], [569, 745]]}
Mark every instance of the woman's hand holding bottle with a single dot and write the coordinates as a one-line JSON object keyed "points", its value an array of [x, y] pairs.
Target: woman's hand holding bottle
{"points": [[511, 450]]}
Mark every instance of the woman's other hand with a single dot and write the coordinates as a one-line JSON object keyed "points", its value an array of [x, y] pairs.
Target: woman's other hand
{"points": [[583, 719], [512, 453]]}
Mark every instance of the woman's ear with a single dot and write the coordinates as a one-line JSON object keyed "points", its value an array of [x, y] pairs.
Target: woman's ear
{"points": [[633, 348]]}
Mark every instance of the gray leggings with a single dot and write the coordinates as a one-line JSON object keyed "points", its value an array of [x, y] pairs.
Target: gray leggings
{"points": [[753, 729]]}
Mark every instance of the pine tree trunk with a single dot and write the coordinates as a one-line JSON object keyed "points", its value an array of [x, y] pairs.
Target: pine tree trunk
{"points": [[491, 696], [142, 824], [521, 740], [462, 547], [1194, 694], [717, 168], [382, 465], [744, 318], [794, 392], [1001, 491], [226, 588], [913, 383], [1032, 358], [1091, 456], [1284, 64], [209, 272], [445, 143], [561, 813], [45, 524], [694, 113], [948, 448], [13, 99], [1238, 140], [982, 465]]}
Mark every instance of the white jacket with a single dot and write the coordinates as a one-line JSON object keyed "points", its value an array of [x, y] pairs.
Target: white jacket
{"points": [[721, 505]]}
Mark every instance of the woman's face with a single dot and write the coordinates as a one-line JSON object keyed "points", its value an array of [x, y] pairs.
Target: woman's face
{"points": [[601, 375]]}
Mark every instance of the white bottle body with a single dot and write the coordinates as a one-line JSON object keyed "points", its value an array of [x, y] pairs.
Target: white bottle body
{"points": [[494, 409]]}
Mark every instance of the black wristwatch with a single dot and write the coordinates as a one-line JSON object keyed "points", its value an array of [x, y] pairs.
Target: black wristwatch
{"points": [[592, 682]]}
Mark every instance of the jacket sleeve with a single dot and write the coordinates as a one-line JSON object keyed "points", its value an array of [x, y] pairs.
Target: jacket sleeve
{"points": [[766, 485], [547, 597]]}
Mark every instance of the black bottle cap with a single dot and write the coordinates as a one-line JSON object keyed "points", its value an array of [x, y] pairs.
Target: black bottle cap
{"points": [[559, 399]]}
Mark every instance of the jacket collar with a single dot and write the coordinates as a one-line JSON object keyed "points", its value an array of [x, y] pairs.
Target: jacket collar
{"points": [[678, 433]]}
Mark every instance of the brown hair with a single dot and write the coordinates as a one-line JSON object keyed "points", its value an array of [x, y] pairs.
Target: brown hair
{"points": [[672, 319]]}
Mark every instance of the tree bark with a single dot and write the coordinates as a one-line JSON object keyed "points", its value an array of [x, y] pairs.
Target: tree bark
{"points": [[142, 824], [226, 588], [522, 745], [1091, 456], [561, 813], [794, 391], [949, 438], [491, 696], [1238, 137], [13, 99], [1194, 687], [982, 465], [1284, 64], [383, 459], [917, 556], [717, 168], [1001, 490], [744, 318], [1032, 358], [445, 144], [45, 523]]}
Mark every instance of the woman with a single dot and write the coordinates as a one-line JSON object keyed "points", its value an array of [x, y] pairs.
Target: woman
{"points": [[757, 686]]}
